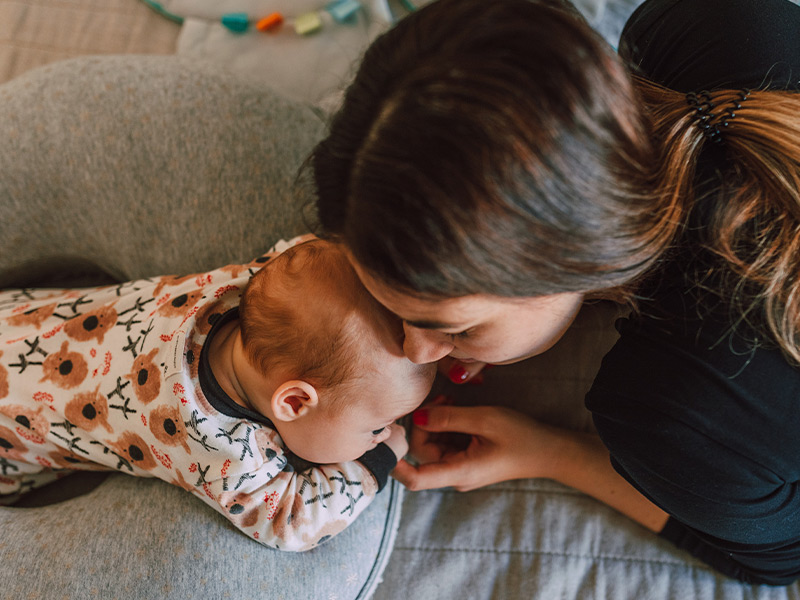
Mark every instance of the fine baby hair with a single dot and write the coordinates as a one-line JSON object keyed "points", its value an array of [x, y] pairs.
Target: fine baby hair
{"points": [[320, 337]]}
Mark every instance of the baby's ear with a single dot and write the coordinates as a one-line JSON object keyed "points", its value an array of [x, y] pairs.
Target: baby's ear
{"points": [[294, 399]]}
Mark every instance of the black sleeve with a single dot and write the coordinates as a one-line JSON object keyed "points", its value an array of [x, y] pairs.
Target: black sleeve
{"points": [[761, 570], [692, 45], [708, 433], [380, 461]]}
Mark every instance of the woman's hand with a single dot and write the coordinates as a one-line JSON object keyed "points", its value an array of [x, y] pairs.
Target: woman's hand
{"points": [[500, 444]]}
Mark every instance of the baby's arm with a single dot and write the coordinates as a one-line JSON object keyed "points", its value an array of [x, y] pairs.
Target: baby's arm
{"points": [[297, 510]]}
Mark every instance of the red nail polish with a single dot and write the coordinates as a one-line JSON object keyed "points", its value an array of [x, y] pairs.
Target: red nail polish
{"points": [[458, 374], [420, 417]]}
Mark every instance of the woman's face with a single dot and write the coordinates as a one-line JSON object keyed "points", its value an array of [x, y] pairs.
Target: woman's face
{"points": [[482, 328]]}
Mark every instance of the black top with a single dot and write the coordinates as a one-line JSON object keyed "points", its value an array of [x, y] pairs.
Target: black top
{"points": [[692, 45], [380, 460], [699, 414]]}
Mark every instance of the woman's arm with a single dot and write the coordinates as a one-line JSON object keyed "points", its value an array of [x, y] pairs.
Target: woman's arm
{"points": [[505, 444]]}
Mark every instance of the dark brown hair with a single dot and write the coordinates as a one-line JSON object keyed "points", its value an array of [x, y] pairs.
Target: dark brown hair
{"points": [[492, 147], [501, 147]]}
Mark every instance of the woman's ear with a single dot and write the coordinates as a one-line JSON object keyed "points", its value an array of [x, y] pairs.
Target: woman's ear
{"points": [[294, 399]]}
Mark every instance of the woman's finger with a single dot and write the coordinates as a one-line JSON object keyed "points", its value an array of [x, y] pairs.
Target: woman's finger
{"points": [[430, 476], [423, 446], [473, 420]]}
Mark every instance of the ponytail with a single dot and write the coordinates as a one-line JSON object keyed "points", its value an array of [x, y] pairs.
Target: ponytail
{"points": [[754, 222]]}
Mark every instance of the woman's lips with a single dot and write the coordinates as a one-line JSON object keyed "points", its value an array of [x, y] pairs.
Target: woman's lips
{"points": [[466, 361]]}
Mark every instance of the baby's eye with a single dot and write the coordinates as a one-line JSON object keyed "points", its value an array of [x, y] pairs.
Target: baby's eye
{"points": [[378, 431]]}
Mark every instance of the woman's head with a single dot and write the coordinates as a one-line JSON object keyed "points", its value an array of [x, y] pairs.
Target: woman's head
{"points": [[491, 148], [478, 327]]}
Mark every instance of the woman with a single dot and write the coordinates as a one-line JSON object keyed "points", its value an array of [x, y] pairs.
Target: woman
{"points": [[495, 164]]}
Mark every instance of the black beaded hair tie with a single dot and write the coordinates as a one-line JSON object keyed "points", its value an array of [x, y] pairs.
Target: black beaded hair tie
{"points": [[710, 123], [736, 104]]}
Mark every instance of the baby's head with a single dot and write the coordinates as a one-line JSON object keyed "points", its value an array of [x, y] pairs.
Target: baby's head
{"points": [[321, 358]]}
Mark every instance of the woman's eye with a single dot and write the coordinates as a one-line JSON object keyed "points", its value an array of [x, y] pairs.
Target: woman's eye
{"points": [[458, 336], [378, 431]]}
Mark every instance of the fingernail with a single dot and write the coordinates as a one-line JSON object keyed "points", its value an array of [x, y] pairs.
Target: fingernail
{"points": [[458, 374], [420, 417]]}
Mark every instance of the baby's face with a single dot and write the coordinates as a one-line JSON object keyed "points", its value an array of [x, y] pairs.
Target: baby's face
{"points": [[359, 418]]}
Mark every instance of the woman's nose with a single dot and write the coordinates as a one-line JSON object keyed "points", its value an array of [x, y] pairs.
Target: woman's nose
{"points": [[422, 346]]}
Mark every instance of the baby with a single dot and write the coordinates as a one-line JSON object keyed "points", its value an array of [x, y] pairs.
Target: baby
{"points": [[215, 382]]}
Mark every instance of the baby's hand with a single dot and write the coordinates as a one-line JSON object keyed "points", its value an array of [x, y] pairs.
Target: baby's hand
{"points": [[397, 440]]}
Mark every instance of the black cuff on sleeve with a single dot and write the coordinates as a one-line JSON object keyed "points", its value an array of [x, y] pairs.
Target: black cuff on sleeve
{"points": [[685, 538], [380, 461]]}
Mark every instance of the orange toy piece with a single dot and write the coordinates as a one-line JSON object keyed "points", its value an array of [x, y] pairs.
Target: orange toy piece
{"points": [[270, 22]]}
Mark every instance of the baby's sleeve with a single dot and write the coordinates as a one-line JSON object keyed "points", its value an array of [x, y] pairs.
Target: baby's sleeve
{"points": [[295, 510]]}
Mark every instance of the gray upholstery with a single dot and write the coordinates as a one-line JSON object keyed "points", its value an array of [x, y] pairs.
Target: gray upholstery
{"points": [[146, 166]]}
